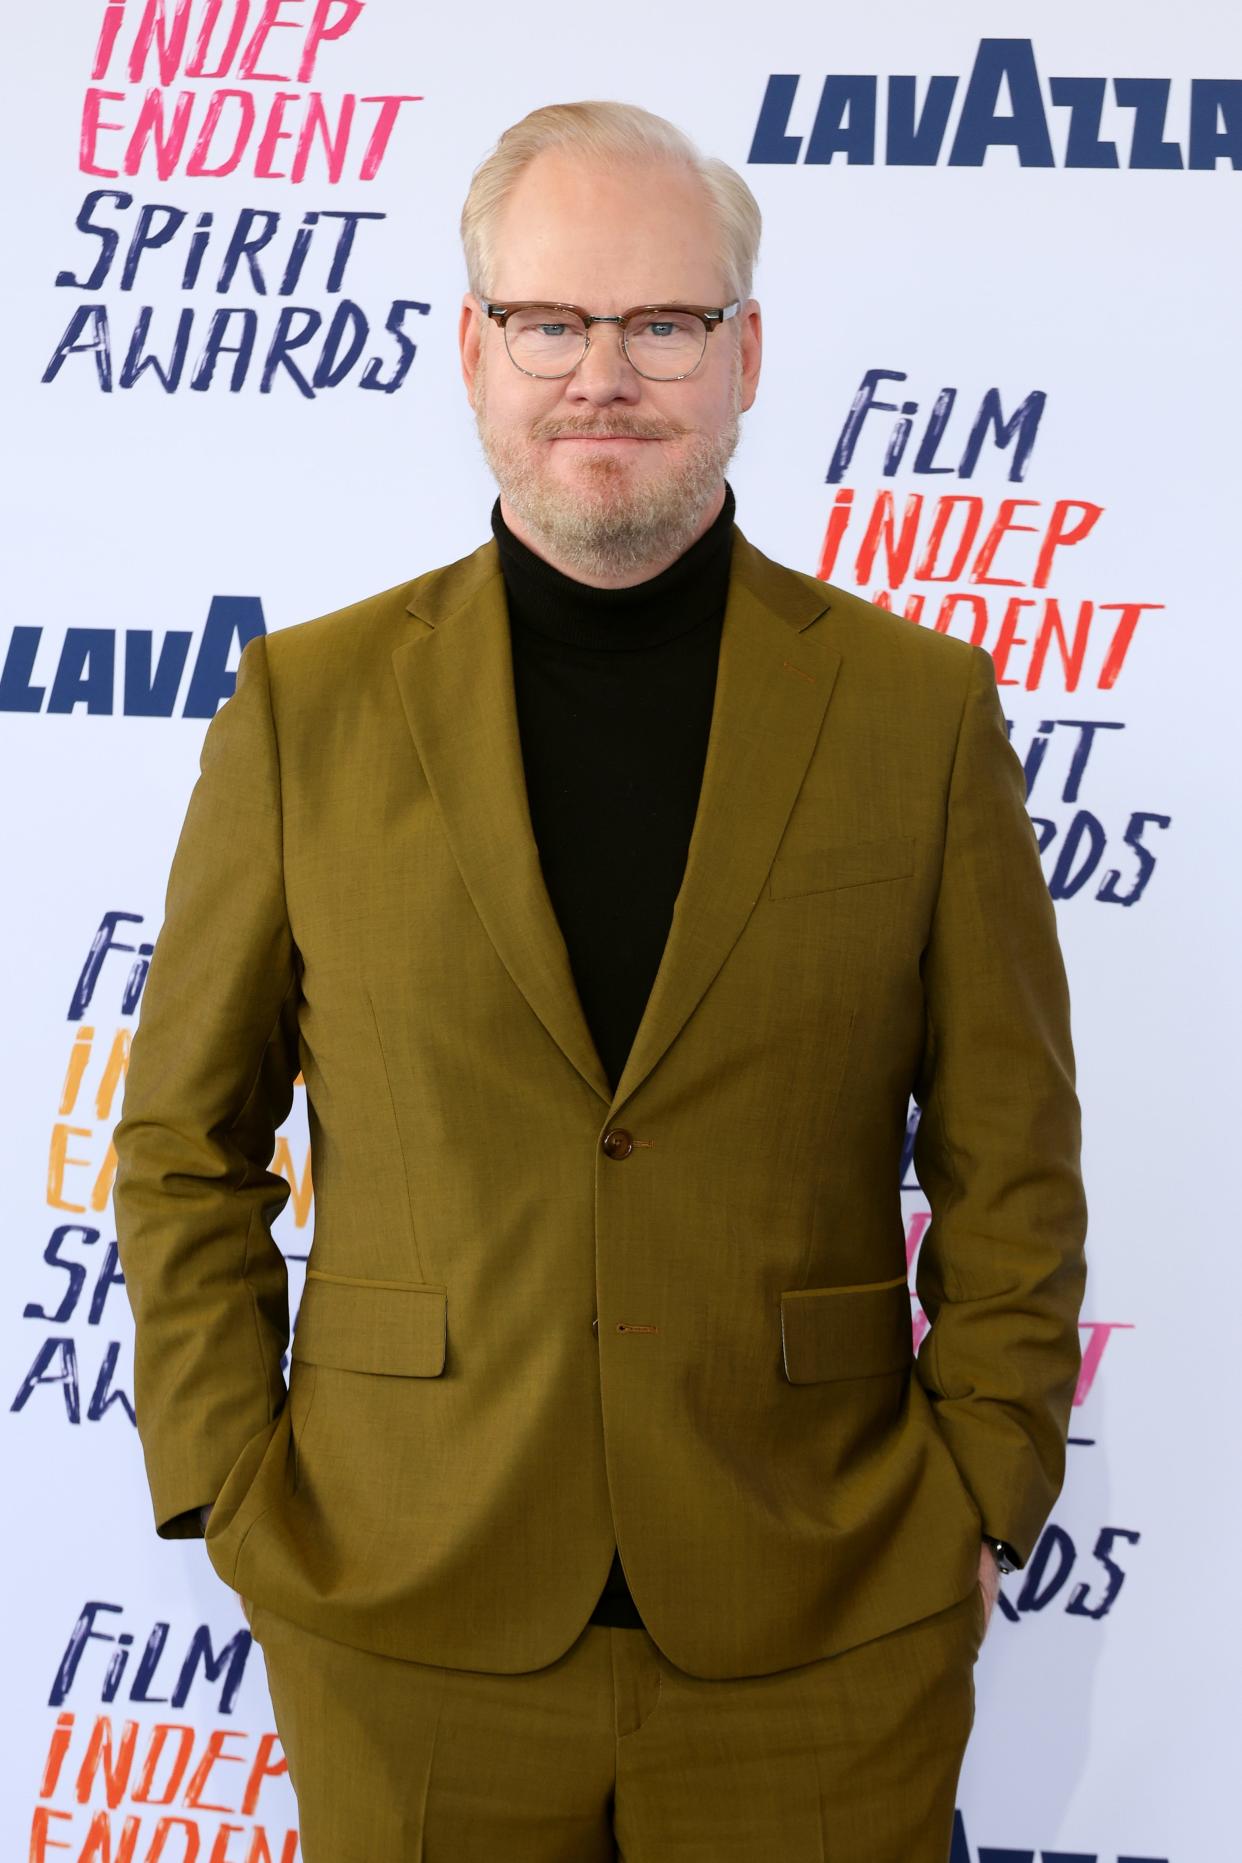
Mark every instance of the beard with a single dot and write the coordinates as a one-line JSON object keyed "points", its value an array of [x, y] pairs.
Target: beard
{"points": [[606, 524]]}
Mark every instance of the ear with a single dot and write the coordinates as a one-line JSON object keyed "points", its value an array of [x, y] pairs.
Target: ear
{"points": [[469, 340], [751, 338]]}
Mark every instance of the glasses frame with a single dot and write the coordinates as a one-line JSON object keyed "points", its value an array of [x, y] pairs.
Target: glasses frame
{"points": [[711, 315]]}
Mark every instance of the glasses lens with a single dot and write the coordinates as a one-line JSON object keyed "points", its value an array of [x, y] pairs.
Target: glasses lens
{"points": [[545, 339], [665, 343]]}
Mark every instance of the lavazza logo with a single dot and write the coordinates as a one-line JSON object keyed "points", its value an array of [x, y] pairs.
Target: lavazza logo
{"points": [[1065, 122]]}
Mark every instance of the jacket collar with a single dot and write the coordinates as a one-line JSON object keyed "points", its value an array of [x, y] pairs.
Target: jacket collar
{"points": [[773, 685]]}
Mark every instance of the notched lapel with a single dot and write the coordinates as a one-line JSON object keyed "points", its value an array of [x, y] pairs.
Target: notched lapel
{"points": [[773, 685], [456, 685]]}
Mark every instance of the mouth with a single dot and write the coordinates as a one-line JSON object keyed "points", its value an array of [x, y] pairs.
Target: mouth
{"points": [[603, 439]]}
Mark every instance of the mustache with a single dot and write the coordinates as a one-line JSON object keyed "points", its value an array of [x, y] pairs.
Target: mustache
{"points": [[631, 430]]}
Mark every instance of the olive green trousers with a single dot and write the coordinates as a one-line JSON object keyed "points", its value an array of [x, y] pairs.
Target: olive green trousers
{"points": [[613, 1752]]}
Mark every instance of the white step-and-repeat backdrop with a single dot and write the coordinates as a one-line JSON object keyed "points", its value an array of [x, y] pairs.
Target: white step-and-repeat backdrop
{"points": [[1000, 395]]}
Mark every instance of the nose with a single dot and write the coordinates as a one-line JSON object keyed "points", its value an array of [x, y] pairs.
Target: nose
{"points": [[605, 374]]}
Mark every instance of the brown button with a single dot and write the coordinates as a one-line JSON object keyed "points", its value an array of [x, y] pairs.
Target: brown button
{"points": [[618, 1143]]}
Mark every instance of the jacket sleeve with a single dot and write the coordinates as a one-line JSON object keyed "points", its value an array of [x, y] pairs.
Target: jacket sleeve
{"points": [[210, 1078], [1001, 1271]]}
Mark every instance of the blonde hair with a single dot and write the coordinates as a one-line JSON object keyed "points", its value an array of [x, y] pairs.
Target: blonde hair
{"points": [[607, 132]]}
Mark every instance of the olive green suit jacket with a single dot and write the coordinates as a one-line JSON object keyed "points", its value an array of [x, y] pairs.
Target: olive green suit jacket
{"points": [[537, 1312]]}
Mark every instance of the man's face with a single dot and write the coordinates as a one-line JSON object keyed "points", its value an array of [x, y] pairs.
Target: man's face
{"points": [[607, 471]]}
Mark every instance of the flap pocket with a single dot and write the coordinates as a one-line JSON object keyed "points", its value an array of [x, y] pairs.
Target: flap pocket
{"points": [[846, 1332], [396, 1327], [849, 863]]}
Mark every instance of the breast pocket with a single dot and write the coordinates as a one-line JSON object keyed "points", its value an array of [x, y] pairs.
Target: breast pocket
{"points": [[844, 863]]}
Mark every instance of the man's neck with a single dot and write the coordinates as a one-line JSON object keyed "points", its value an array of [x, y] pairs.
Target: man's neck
{"points": [[534, 540]]}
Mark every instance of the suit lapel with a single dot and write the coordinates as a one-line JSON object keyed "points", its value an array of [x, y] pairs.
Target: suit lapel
{"points": [[772, 691]]}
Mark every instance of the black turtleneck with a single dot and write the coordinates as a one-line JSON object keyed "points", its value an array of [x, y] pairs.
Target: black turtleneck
{"points": [[614, 691]]}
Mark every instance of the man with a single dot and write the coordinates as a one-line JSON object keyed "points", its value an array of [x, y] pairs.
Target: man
{"points": [[612, 889]]}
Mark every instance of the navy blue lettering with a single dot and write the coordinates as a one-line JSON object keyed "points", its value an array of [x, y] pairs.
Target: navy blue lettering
{"points": [[1149, 100], [1084, 99], [1215, 122], [1010, 61], [770, 142], [915, 142], [845, 121]]}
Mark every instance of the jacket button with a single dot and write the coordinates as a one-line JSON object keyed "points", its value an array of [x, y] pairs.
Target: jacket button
{"points": [[618, 1143]]}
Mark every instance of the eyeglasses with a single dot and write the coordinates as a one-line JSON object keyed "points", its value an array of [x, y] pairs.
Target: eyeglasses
{"points": [[664, 342]]}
